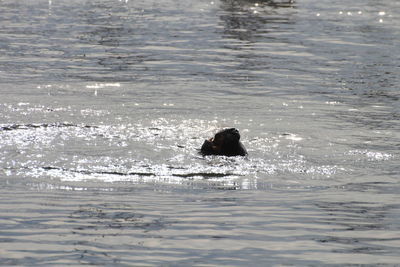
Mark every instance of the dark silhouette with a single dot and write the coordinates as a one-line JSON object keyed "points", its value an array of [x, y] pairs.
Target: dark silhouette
{"points": [[225, 143]]}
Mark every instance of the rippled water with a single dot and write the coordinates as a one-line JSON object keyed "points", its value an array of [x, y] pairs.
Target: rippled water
{"points": [[104, 105]]}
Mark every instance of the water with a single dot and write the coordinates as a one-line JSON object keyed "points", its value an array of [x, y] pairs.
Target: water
{"points": [[105, 103]]}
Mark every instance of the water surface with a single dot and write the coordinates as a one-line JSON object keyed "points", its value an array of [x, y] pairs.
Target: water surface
{"points": [[104, 105]]}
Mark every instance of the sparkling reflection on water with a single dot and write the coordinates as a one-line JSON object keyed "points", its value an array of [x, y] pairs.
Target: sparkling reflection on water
{"points": [[104, 105]]}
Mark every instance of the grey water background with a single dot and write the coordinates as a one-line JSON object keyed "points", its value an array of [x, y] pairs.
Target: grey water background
{"points": [[104, 104]]}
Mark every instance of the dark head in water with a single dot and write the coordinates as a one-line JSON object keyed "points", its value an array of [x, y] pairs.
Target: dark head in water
{"points": [[225, 143]]}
